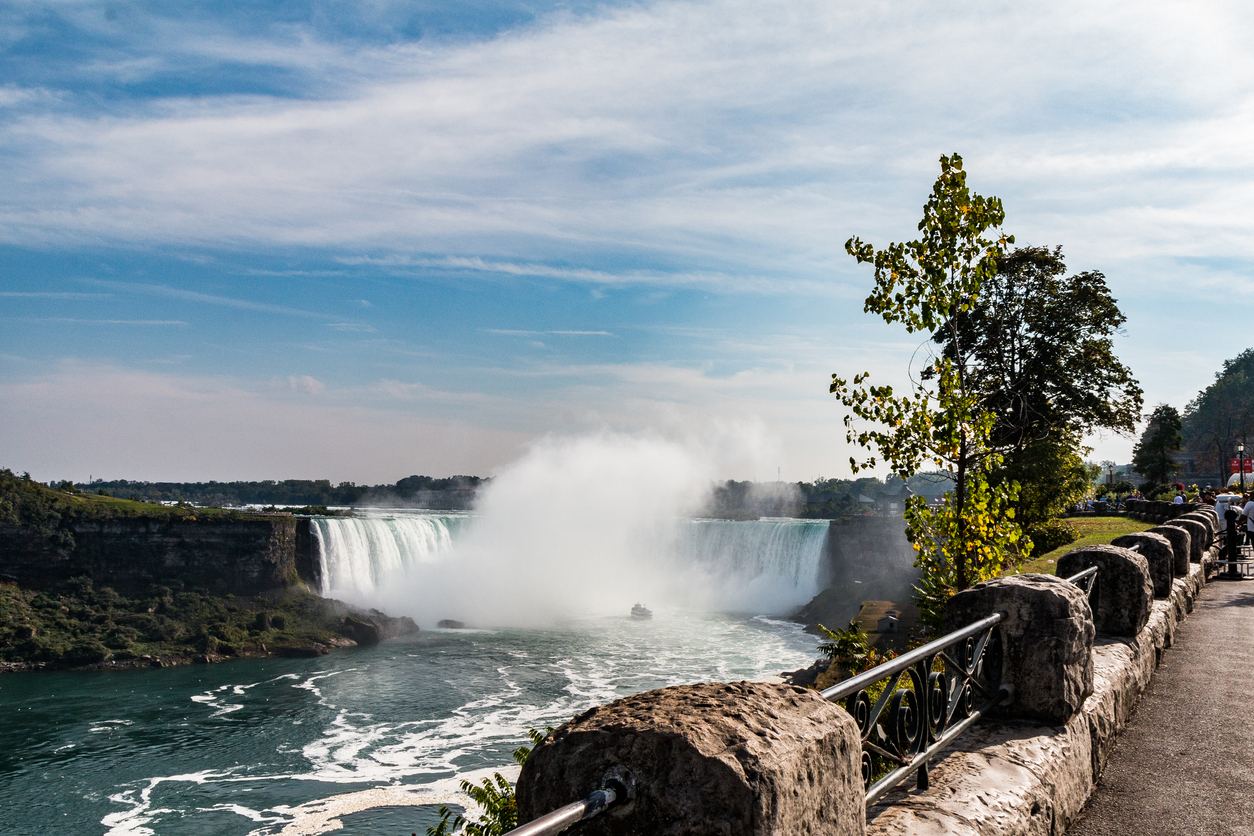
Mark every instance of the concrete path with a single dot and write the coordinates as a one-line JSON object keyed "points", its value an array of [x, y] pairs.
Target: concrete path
{"points": [[1185, 763]]}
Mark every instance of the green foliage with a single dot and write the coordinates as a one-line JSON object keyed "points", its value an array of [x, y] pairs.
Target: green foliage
{"points": [[1042, 358], [79, 623], [1221, 415], [942, 422], [1051, 534], [1051, 474], [498, 809], [1152, 457], [848, 648]]}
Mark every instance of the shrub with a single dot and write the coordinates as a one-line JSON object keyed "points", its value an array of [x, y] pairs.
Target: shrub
{"points": [[1051, 534], [85, 651]]}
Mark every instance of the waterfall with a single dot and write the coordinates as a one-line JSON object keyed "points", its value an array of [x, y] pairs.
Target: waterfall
{"points": [[358, 555], [763, 566], [768, 565]]}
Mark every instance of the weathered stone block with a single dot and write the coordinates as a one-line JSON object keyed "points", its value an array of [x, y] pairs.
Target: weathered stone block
{"points": [[1047, 641], [1157, 551], [1180, 545], [1198, 534], [1209, 523], [737, 759], [1124, 592]]}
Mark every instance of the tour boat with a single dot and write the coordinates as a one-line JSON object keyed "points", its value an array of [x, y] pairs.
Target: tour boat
{"points": [[640, 612]]}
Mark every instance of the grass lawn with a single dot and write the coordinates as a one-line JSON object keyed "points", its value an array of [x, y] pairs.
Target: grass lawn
{"points": [[1091, 530]]}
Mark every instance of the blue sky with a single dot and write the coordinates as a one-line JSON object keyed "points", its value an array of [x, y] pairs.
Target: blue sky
{"points": [[362, 240]]}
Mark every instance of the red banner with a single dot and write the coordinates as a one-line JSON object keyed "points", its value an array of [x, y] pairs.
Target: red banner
{"points": [[1236, 466]]}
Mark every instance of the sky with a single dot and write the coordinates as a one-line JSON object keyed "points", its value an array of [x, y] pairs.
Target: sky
{"points": [[359, 241]]}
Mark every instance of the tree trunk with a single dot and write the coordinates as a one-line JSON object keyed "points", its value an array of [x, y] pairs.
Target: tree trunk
{"points": [[960, 501]]}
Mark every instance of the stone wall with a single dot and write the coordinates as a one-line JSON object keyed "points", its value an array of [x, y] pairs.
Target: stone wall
{"points": [[242, 555], [1029, 771]]}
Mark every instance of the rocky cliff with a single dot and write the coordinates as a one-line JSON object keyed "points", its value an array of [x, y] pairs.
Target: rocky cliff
{"points": [[238, 555]]}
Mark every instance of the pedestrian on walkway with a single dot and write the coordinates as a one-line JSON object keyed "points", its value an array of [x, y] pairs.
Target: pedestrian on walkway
{"points": [[1248, 513]]}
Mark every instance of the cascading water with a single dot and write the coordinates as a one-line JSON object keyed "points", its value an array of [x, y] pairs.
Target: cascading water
{"points": [[356, 555], [764, 566], [768, 565]]}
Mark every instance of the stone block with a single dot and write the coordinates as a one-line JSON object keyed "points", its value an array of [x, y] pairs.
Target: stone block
{"points": [[736, 759], [1047, 641], [1198, 534], [1180, 545], [1209, 520], [1157, 551], [1124, 593]]}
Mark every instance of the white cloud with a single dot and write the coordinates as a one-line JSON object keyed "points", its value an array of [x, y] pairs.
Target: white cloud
{"points": [[752, 134], [299, 383]]}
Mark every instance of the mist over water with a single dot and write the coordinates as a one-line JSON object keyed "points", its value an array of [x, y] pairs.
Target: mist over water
{"points": [[373, 739], [576, 527]]}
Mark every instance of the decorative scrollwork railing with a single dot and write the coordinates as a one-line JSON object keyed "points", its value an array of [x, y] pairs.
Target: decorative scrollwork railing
{"points": [[930, 695]]}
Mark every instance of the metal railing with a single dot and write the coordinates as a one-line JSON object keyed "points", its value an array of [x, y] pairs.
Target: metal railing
{"points": [[902, 730], [617, 787]]}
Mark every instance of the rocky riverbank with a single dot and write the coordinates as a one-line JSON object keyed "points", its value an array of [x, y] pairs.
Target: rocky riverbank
{"points": [[97, 582]]}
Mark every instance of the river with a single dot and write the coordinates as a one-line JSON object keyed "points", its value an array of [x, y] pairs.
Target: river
{"points": [[373, 739]]}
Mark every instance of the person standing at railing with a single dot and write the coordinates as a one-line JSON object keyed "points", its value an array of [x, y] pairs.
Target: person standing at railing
{"points": [[1248, 513]]}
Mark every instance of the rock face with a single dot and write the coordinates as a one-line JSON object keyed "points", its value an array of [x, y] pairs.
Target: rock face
{"points": [[1157, 551], [241, 555], [1124, 592], [737, 759], [1180, 546], [1047, 641]]}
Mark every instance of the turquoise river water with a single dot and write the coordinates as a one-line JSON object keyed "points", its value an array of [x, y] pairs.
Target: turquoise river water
{"points": [[363, 741]]}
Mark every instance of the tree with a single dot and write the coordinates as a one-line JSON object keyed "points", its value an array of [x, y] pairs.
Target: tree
{"points": [[1043, 358], [1153, 456], [1221, 414], [926, 285]]}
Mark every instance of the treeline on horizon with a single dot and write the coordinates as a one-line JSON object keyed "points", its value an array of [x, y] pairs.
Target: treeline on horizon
{"points": [[820, 499], [452, 493]]}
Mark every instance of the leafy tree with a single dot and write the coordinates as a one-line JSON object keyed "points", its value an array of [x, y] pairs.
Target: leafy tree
{"points": [[1221, 414], [1153, 456], [941, 422], [1042, 357], [1051, 475]]}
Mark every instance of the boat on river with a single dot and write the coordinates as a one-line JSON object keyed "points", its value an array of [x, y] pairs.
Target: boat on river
{"points": [[641, 612]]}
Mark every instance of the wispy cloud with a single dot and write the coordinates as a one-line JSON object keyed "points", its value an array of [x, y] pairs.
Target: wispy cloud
{"points": [[48, 294], [723, 143], [352, 327], [516, 333], [76, 321], [206, 298]]}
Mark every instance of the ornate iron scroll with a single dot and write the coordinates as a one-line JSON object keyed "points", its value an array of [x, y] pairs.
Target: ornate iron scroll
{"points": [[930, 695]]}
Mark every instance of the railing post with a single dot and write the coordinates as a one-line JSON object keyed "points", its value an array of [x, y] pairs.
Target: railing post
{"points": [[1125, 592], [1047, 645], [735, 759], [1158, 554], [1181, 546]]}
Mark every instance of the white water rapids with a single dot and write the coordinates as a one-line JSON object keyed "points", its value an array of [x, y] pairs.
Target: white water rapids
{"points": [[764, 566]]}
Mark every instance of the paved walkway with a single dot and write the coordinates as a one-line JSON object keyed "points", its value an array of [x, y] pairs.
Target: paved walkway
{"points": [[1185, 763]]}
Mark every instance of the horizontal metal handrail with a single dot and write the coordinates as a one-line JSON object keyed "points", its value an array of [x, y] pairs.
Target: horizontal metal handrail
{"points": [[854, 684], [1079, 576], [617, 787], [563, 818]]}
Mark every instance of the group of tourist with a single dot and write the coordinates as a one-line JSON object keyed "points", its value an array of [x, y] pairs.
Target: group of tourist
{"points": [[1240, 504]]}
